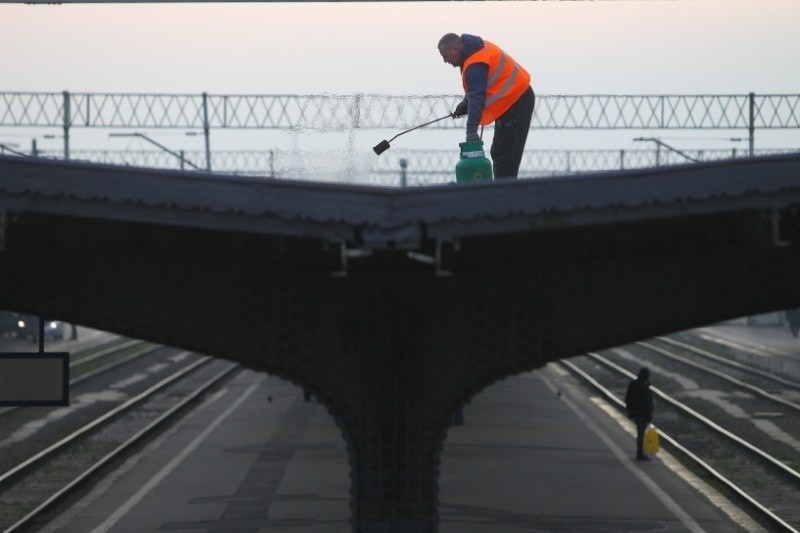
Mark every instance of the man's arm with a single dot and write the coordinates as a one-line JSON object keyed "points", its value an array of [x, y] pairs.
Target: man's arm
{"points": [[476, 76]]}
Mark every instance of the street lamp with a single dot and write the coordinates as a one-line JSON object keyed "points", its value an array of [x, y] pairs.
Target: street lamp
{"points": [[10, 147], [180, 155], [34, 148], [49, 137], [659, 142]]}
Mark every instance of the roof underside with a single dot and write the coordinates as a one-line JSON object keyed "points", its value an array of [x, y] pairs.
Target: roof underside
{"points": [[392, 215]]}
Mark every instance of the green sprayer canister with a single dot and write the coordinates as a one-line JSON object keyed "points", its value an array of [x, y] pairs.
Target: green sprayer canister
{"points": [[473, 166]]}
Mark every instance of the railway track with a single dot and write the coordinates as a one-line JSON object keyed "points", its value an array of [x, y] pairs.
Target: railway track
{"points": [[733, 368], [31, 488], [108, 375], [734, 425], [89, 363], [759, 406]]}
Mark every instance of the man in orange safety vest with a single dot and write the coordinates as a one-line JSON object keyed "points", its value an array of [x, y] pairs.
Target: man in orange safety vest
{"points": [[497, 90]]}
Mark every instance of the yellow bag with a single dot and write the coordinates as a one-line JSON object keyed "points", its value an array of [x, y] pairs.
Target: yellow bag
{"points": [[651, 440]]}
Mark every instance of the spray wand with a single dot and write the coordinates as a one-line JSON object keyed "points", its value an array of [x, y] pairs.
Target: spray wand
{"points": [[384, 145]]}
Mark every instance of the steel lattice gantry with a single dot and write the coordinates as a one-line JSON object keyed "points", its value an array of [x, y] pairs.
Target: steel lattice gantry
{"points": [[207, 112], [337, 112], [396, 306]]}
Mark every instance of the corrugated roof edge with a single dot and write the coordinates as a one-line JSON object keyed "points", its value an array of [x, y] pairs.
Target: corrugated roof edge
{"points": [[391, 207]]}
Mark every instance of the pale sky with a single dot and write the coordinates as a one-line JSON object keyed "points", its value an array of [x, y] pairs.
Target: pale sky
{"points": [[579, 47], [683, 46]]}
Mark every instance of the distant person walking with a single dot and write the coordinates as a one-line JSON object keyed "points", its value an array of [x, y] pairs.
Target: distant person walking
{"points": [[639, 404], [497, 90]]}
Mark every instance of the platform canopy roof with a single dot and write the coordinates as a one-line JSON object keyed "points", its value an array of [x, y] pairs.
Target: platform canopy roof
{"points": [[391, 216]]}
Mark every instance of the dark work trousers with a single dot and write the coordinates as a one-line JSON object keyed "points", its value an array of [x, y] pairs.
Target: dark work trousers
{"points": [[510, 134], [641, 427]]}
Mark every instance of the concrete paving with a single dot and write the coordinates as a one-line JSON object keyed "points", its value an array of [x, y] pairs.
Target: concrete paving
{"points": [[552, 459], [535, 454]]}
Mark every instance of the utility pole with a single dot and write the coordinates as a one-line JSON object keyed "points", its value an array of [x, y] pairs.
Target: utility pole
{"points": [[403, 173]]}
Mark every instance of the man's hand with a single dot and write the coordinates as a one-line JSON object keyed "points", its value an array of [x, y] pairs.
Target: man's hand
{"points": [[461, 109], [473, 136]]}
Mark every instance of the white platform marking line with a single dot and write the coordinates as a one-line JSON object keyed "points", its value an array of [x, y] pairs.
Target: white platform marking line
{"points": [[112, 520], [715, 497], [646, 480]]}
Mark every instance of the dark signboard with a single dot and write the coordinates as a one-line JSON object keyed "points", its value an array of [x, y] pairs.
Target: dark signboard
{"points": [[30, 378]]}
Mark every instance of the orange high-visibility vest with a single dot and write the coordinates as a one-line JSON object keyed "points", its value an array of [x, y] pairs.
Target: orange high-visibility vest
{"points": [[506, 81]]}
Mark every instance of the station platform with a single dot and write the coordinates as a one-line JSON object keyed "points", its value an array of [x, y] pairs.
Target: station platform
{"points": [[771, 348], [535, 454]]}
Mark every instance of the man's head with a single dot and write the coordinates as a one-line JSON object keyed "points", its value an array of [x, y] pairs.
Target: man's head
{"points": [[451, 47]]}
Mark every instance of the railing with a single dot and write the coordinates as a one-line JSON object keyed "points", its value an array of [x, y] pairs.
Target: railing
{"points": [[420, 167], [337, 112], [205, 112]]}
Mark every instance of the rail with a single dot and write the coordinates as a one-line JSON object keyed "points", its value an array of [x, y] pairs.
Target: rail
{"points": [[758, 507], [138, 434]]}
